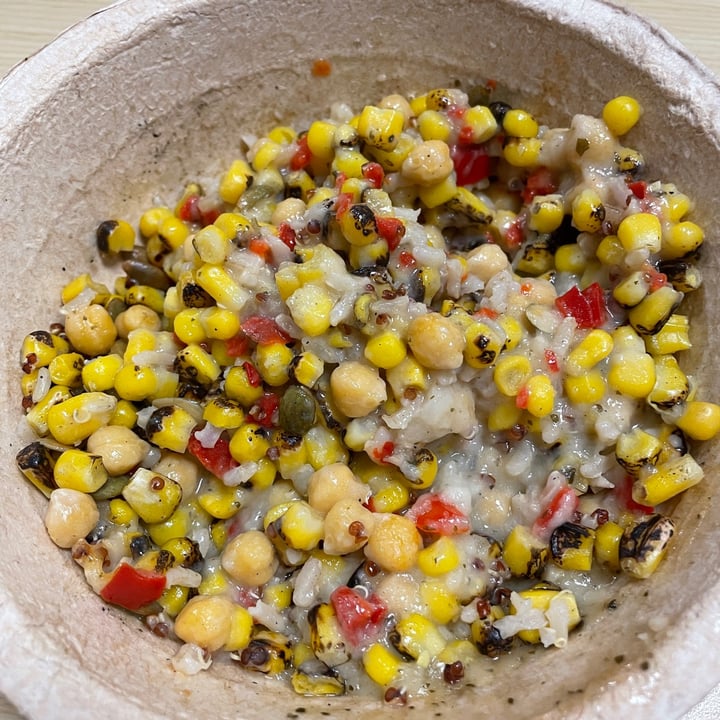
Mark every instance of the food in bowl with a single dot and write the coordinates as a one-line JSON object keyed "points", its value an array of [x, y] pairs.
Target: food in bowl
{"points": [[395, 396]]}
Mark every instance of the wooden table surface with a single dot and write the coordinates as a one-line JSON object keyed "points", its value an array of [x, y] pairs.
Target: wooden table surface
{"points": [[27, 25]]}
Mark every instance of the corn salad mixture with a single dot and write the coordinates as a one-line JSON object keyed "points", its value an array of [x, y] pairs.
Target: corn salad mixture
{"points": [[376, 406]]}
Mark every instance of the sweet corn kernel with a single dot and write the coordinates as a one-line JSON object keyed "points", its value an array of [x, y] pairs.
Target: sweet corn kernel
{"points": [[219, 500], [301, 526], [589, 387], [66, 369], [520, 124], [540, 395], [541, 597], [621, 114], [198, 363], [632, 290], [649, 316], [636, 449], [420, 638], [211, 244], [273, 363], [73, 420], [681, 239], [522, 152], [177, 526], [570, 259], [224, 413], [503, 416], [610, 251], [671, 384], [441, 602], [232, 224], [483, 344], [124, 415], [546, 213], [279, 595], [98, 374], [152, 219], [481, 122], [121, 513], [242, 387], [524, 554], [115, 236], [235, 181], [310, 307], [381, 665], [380, 127], [439, 193], [588, 211], [79, 470], [631, 374], [434, 125], [700, 420], [154, 497], [607, 545], [217, 282], [439, 558], [324, 447], [392, 160], [174, 599], [391, 497], [593, 348], [264, 154], [511, 373], [666, 480], [385, 350], [307, 368], [641, 231]]}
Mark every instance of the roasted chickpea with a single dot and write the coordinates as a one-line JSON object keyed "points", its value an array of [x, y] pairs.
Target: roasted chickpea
{"points": [[394, 543], [428, 163], [347, 527], [436, 342], [249, 558], [205, 621], [70, 516], [332, 483], [119, 447], [91, 331], [357, 388]]}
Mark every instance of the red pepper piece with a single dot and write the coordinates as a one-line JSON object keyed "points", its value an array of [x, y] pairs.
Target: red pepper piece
{"points": [[302, 156], [265, 410], [515, 234], [540, 182], [374, 173], [381, 454], [260, 246], [343, 204], [253, 376], [287, 235], [407, 260], [434, 515], [133, 589], [391, 230], [216, 459], [623, 492], [264, 330], [472, 163], [360, 618], [638, 189], [237, 346], [586, 306], [551, 360], [521, 399], [189, 210], [559, 510]]}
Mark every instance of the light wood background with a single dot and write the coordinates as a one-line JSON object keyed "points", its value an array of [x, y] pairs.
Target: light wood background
{"points": [[27, 25]]}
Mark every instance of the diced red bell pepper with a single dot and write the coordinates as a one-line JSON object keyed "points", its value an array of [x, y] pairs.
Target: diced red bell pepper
{"points": [[133, 589], [586, 306], [407, 260], [265, 410], [551, 360], [343, 202], [216, 459], [381, 454], [287, 235], [302, 156], [623, 492], [253, 376], [515, 234], [264, 330], [360, 618], [374, 173], [434, 515], [560, 509], [521, 399], [539, 182], [471, 162], [261, 247], [391, 230], [638, 189], [189, 210]]}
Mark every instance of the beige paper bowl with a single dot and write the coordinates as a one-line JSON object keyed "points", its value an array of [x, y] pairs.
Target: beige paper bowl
{"points": [[147, 95]]}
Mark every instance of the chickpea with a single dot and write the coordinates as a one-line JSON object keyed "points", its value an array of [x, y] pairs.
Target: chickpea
{"points": [[436, 342], [486, 261], [347, 527], [287, 209], [332, 483], [70, 516], [91, 331], [399, 103], [119, 447], [137, 317], [428, 163], [249, 558], [357, 388], [181, 469], [205, 621], [394, 543]]}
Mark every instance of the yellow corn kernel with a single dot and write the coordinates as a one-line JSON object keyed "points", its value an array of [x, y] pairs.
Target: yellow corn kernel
{"points": [[291, 454], [241, 626], [310, 307], [541, 597], [671, 384], [321, 140], [570, 259], [358, 225], [681, 239], [214, 582], [172, 232], [392, 160], [37, 416], [700, 420], [588, 388], [636, 449], [232, 224], [407, 375], [151, 220], [174, 599], [98, 374], [385, 350], [177, 526], [249, 443], [420, 638], [593, 348], [219, 534], [442, 604], [39, 348], [522, 152], [301, 526], [211, 244], [273, 362], [482, 122], [621, 114], [483, 344], [198, 363], [632, 290], [124, 415], [667, 480], [421, 471], [672, 337], [115, 236], [73, 420], [145, 295], [224, 413], [265, 475], [676, 205], [470, 205], [503, 416], [219, 323], [607, 545], [519, 123], [524, 554], [610, 251], [511, 373], [235, 181], [641, 231], [349, 162], [219, 500], [170, 427], [278, 594], [380, 127], [307, 368], [121, 513], [513, 331], [588, 211], [546, 213], [391, 497], [264, 153], [154, 497], [76, 286], [631, 374], [66, 369], [381, 664], [217, 282], [79, 470], [649, 316], [439, 558], [540, 395], [434, 125], [240, 387], [324, 447]]}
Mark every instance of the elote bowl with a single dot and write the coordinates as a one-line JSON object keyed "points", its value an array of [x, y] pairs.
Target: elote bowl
{"points": [[135, 101]]}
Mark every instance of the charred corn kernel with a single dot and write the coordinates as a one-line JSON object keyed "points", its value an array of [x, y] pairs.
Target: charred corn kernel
{"points": [[607, 545], [79, 470], [218, 283], [676, 205], [121, 513], [170, 427], [570, 259], [465, 202], [219, 500], [307, 368], [621, 114], [629, 161], [232, 223], [631, 374], [644, 545], [241, 626], [439, 558], [683, 275], [420, 638], [235, 181], [522, 152], [273, 362], [671, 384], [653, 312], [321, 195], [198, 364], [407, 375], [535, 258], [242, 387], [39, 348], [171, 535], [438, 194], [421, 470], [540, 395], [541, 597], [36, 463], [385, 350], [503, 416], [174, 599], [571, 547], [519, 123], [381, 664], [666, 480], [681, 239], [299, 184], [73, 420], [610, 251], [66, 369], [588, 387], [98, 374], [173, 232], [546, 213], [292, 455], [301, 526], [249, 443], [37, 415], [358, 225], [588, 211], [636, 449], [441, 603], [481, 122], [524, 554], [151, 220], [125, 414], [700, 420], [380, 127], [434, 125], [211, 244], [310, 307], [641, 231], [392, 160], [279, 595], [391, 497], [152, 496], [632, 290], [115, 236], [80, 284], [511, 373], [145, 295], [593, 348], [483, 344], [324, 447], [224, 413]]}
